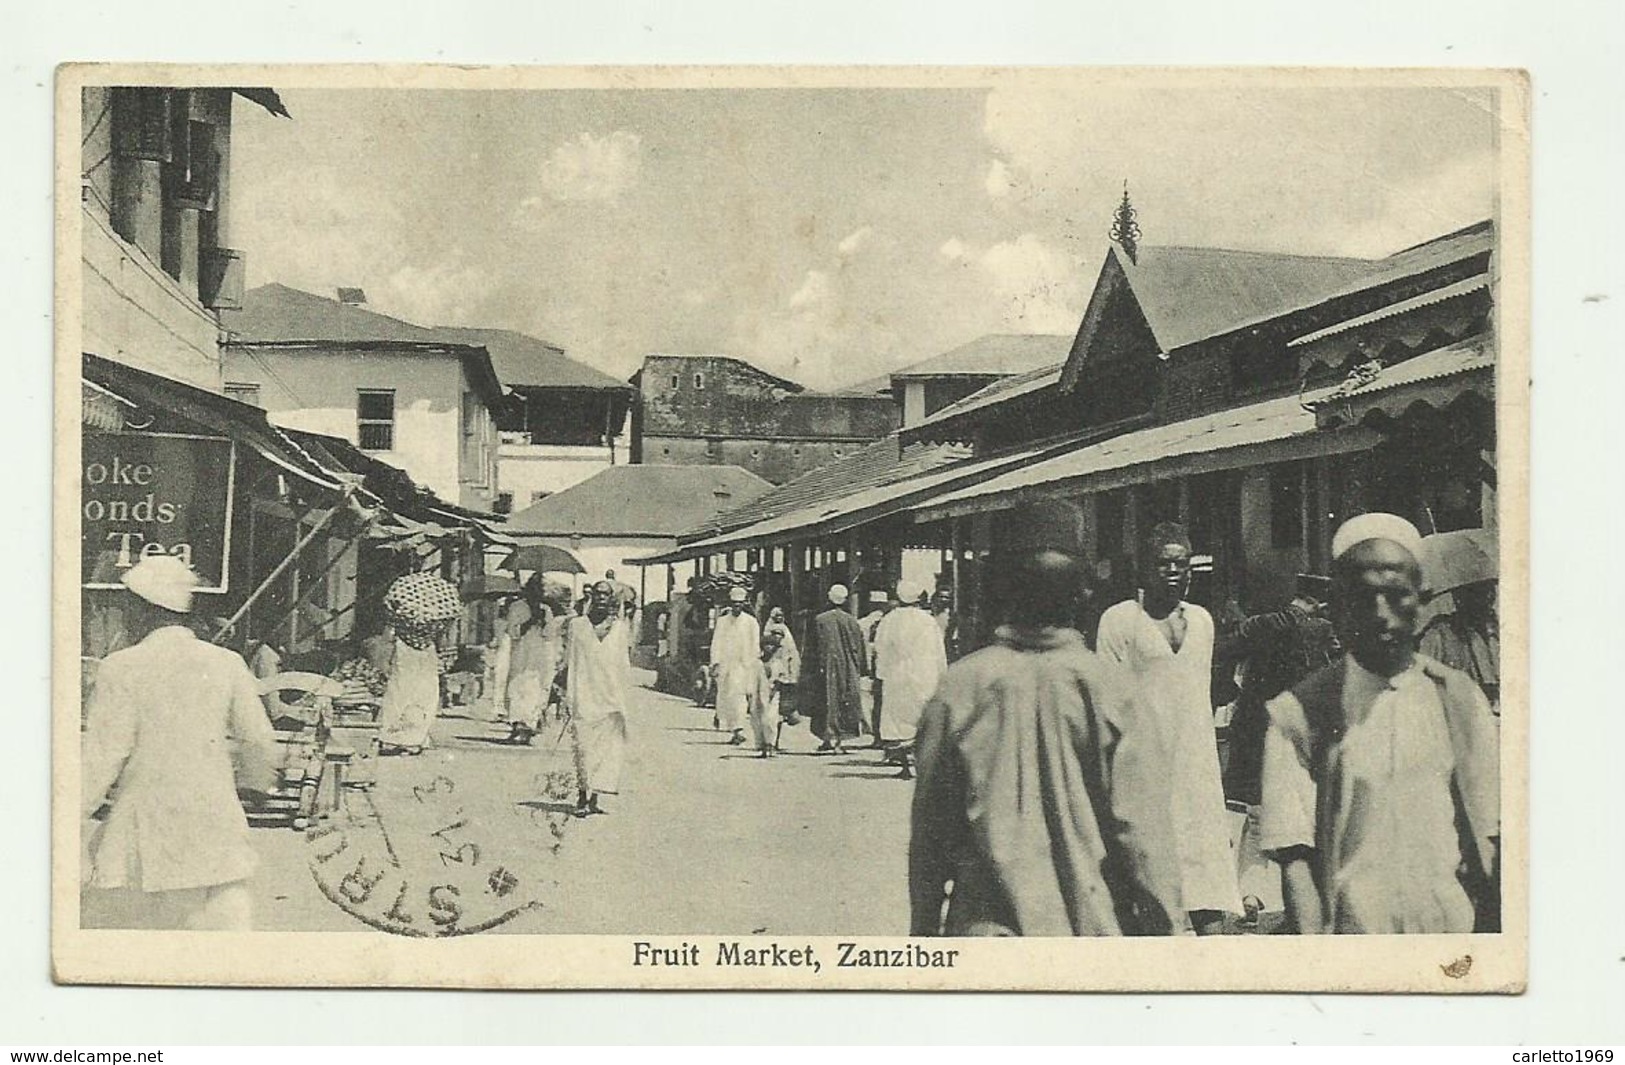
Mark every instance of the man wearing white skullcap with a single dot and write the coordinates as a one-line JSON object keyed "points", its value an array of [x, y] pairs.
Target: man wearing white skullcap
{"points": [[1380, 787], [173, 849], [735, 662], [832, 671], [910, 660]]}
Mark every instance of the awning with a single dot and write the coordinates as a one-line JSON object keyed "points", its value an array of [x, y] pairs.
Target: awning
{"points": [[1276, 430], [831, 516], [238, 421], [1452, 310], [1435, 379]]}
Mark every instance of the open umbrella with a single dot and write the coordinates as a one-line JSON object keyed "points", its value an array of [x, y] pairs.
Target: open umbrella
{"points": [[543, 558], [1454, 559]]}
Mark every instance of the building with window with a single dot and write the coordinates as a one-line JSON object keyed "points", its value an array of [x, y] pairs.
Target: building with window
{"points": [[397, 391], [561, 422], [1259, 398], [713, 410]]}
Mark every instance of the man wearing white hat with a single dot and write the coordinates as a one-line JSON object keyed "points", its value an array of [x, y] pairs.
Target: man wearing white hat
{"points": [[1381, 796], [173, 851], [833, 667], [736, 659], [910, 660]]}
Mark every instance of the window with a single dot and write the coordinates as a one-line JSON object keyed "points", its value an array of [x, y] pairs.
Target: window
{"points": [[675, 382], [475, 466], [1286, 505], [243, 393], [699, 382], [375, 419], [504, 503]]}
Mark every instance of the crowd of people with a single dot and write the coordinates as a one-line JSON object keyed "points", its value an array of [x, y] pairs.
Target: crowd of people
{"points": [[1069, 781], [1064, 791]]}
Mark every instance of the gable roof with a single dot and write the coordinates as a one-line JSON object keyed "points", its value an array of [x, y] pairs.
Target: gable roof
{"points": [[997, 354], [1190, 294], [523, 361], [639, 501]]}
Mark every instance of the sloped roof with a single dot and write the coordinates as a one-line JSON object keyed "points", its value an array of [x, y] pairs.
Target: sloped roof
{"points": [[1190, 294], [275, 313], [997, 354], [783, 382], [639, 501], [523, 361], [998, 392], [1167, 449], [881, 462]]}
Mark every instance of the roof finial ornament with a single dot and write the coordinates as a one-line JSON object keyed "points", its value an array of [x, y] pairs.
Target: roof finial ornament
{"points": [[1125, 230]]}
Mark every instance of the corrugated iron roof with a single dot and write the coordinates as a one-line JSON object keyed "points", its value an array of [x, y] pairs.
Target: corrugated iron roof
{"points": [[1477, 283], [848, 509], [1476, 355], [1001, 354], [639, 501], [881, 462], [1190, 294], [1258, 423], [998, 392]]}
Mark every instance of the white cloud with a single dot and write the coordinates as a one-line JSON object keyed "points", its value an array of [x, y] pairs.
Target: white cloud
{"points": [[855, 241], [452, 292], [815, 289], [953, 249], [590, 168], [999, 180], [1038, 288]]}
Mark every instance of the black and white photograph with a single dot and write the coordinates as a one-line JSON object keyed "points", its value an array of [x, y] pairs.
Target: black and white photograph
{"points": [[792, 527]]}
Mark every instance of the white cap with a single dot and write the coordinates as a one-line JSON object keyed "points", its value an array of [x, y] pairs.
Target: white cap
{"points": [[909, 592], [1377, 526], [837, 594], [162, 580], [736, 594]]}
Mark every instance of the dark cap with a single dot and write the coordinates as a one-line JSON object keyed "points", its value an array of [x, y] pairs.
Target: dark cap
{"points": [[1050, 525]]}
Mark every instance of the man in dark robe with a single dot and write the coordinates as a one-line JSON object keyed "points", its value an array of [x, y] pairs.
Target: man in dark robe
{"points": [[1280, 648], [832, 666]]}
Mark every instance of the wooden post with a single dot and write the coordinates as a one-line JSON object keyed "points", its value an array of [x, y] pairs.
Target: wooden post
{"points": [[792, 561], [281, 567]]}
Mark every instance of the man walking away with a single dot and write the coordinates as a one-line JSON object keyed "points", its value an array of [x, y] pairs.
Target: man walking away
{"points": [[736, 650], [173, 851], [1381, 771], [833, 666], [1041, 806], [909, 661], [1166, 644]]}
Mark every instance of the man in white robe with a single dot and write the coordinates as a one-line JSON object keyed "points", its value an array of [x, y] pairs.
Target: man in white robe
{"points": [[599, 680], [1167, 645], [173, 851], [736, 663], [910, 659], [1381, 781]]}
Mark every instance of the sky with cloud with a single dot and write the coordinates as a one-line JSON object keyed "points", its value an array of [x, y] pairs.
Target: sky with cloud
{"points": [[828, 235]]}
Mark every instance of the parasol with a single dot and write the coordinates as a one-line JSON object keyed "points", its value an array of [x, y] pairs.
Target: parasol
{"points": [[1455, 559], [543, 558], [423, 598], [491, 586]]}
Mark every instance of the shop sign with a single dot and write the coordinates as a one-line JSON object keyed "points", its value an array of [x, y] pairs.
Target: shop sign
{"points": [[144, 494]]}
